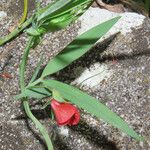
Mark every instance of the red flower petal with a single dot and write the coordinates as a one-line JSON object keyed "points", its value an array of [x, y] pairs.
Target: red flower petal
{"points": [[75, 119], [65, 113]]}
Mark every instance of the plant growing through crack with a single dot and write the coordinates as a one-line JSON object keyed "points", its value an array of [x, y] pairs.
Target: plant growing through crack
{"points": [[63, 98]]}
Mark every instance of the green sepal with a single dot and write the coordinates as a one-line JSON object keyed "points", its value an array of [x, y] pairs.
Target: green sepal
{"points": [[57, 96]]}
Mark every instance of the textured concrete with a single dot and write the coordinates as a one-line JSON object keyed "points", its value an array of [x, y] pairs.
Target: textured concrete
{"points": [[116, 72]]}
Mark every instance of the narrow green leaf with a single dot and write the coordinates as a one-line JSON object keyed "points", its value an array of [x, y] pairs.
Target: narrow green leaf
{"points": [[37, 93], [62, 16], [92, 105], [42, 10], [65, 15], [52, 8], [34, 76], [78, 47], [74, 8]]}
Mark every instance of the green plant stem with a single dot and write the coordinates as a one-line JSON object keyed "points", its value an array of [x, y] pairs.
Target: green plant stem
{"points": [[25, 101], [24, 62], [38, 125], [16, 31], [25, 11]]}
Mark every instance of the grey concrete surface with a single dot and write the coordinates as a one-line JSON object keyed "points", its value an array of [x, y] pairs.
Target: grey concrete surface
{"points": [[115, 71]]}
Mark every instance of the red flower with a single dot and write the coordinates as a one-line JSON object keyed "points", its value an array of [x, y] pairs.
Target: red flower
{"points": [[65, 113]]}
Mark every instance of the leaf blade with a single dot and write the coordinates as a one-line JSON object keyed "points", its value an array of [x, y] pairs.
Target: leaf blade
{"points": [[56, 6], [93, 106], [37, 69], [37, 93], [78, 47]]}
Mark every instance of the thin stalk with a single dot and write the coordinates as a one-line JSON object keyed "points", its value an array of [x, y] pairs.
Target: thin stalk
{"points": [[40, 127], [25, 11], [15, 32], [24, 62]]}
